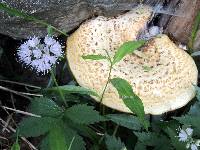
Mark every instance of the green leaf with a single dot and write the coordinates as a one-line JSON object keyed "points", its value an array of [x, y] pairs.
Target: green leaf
{"points": [[15, 146], [33, 127], [67, 139], [78, 142], [128, 121], [83, 130], [114, 143], [189, 120], [130, 99], [173, 124], [57, 138], [83, 114], [127, 48], [70, 146], [158, 141], [18, 13], [195, 109], [45, 107], [50, 30], [147, 138], [44, 145], [194, 31], [174, 140], [72, 89], [198, 92], [140, 146], [94, 57], [15, 12]]}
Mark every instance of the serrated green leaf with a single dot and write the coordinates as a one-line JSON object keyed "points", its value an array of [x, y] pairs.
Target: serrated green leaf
{"points": [[195, 109], [72, 89], [45, 107], [78, 142], [130, 99], [57, 138], [173, 124], [140, 146], [127, 48], [174, 139], [70, 146], [94, 57], [189, 120], [146, 138], [33, 127], [83, 130], [198, 92], [83, 114], [153, 139], [128, 121], [114, 143], [44, 145]]}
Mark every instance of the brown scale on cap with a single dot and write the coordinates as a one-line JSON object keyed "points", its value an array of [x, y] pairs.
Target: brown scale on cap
{"points": [[165, 87]]}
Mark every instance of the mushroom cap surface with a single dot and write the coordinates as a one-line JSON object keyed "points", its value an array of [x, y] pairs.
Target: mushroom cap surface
{"points": [[166, 86]]}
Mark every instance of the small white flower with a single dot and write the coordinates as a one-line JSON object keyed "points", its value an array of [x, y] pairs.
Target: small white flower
{"points": [[40, 56], [182, 136], [188, 145], [49, 40], [194, 147], [33, 42], [189, 131], [56, 48], [37, 53], [197, 143]]}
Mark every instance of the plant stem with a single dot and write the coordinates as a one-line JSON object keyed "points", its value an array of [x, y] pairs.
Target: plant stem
{"points": [[115, 130], [108, 80], [60, 92]]}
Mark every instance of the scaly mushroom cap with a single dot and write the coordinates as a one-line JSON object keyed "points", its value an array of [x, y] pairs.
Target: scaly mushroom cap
{"points": [[165, 86]]}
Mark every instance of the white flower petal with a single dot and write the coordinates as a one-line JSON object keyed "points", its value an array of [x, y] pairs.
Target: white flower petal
{"points": [[188, 145], [189, 131], [197, 143], [49, 40], [33, 42], [182, 136], [37, 53], [194, 147], [56, 49]]}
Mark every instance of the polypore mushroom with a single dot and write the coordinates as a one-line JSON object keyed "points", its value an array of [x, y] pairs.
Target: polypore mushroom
{"points": [[166, 86]]}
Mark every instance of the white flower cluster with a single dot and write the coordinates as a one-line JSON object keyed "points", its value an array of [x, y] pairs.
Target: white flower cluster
{"points": [[40, 56], [186, 136]]}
